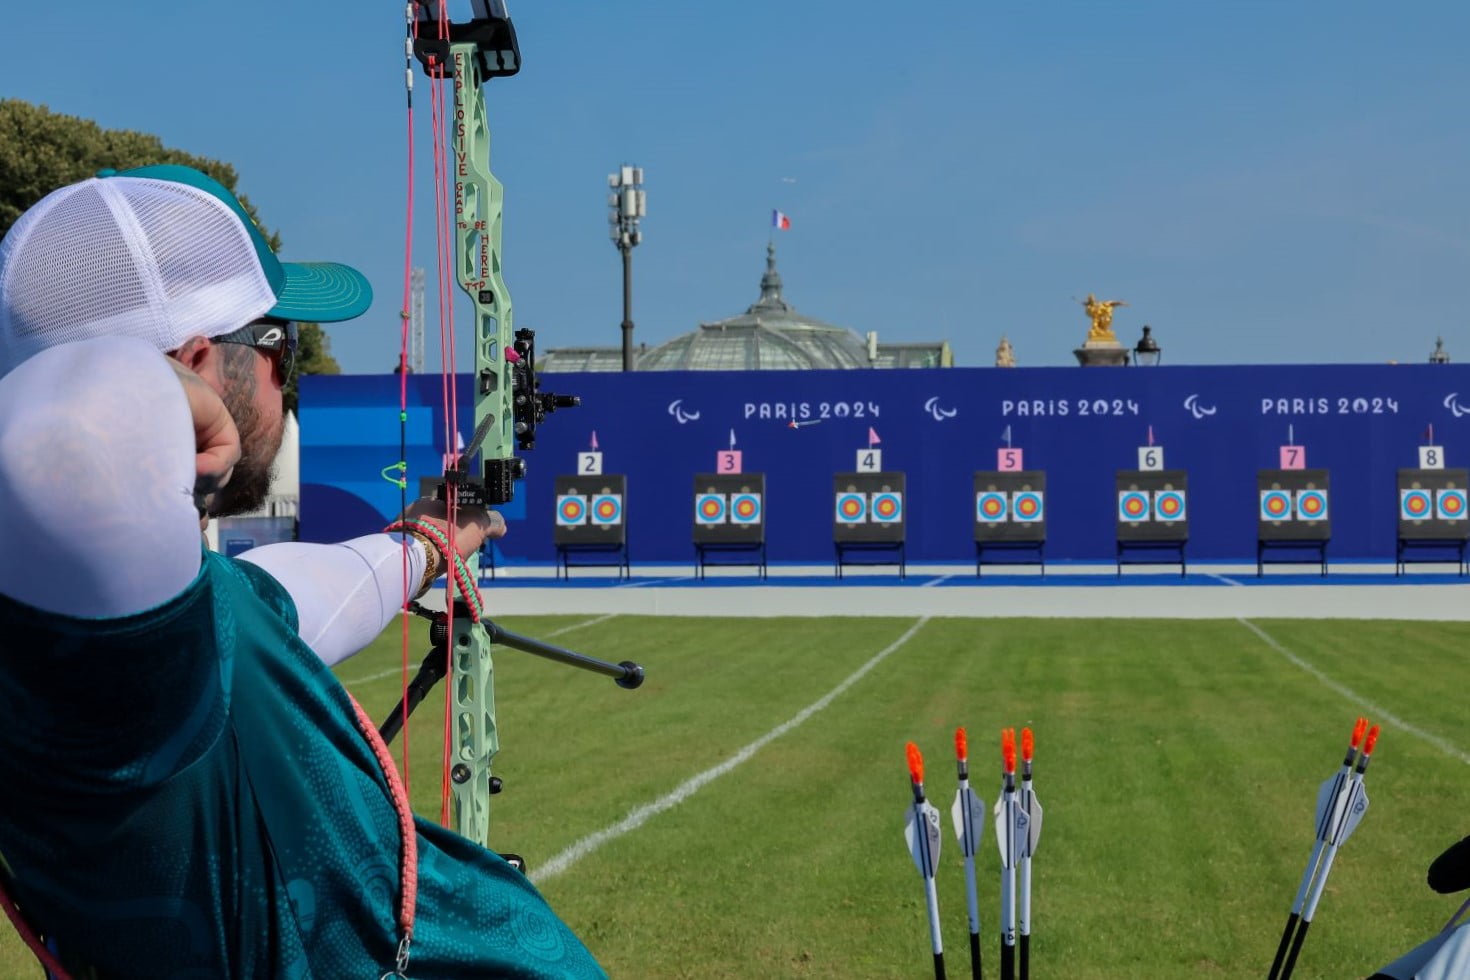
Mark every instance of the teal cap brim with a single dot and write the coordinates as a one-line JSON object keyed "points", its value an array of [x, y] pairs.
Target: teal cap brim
{"points": [[322, 292]]}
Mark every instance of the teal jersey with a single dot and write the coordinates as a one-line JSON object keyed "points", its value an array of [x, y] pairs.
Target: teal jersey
{"points": [[186, 794]]}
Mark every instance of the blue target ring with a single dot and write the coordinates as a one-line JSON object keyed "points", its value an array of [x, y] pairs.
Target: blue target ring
{"points": [[991, 507]]}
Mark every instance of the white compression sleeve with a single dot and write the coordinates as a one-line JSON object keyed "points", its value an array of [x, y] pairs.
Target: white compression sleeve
{"points": [[345, 594], [97, 513]]}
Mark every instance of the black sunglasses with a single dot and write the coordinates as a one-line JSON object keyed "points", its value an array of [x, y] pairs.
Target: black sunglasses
{"points": [[271, 335]]}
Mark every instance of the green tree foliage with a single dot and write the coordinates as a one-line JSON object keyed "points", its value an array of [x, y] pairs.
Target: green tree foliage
{"points": [[41, 150]]}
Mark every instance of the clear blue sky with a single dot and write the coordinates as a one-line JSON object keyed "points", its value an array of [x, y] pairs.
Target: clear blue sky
{"points": [[1261, 181]]}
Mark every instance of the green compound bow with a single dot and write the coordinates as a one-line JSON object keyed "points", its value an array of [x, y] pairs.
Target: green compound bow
{"points": [[508, 408]]}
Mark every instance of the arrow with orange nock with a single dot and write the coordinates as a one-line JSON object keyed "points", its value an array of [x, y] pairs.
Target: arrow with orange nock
{"points": [[921, 830], [968, 815]]}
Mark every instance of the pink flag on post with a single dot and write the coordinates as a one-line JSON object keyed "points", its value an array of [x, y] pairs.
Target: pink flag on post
{"points": [[594, 440], [873, 439]]}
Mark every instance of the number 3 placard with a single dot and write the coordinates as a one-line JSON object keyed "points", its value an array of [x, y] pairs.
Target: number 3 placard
{"points": [[727, 461]]}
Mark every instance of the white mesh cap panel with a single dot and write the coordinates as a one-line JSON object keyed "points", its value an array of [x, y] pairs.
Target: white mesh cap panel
{"points": [[126, 256]]}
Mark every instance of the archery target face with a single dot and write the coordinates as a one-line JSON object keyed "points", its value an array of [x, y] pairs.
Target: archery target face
{"points": [[1415, 505], [1170, 506], [1311, 505], [1451, 505], [1028, 507], [745, 508], [709, 508], [991, 507], [1275, 505], [852, 508], [571, 510], [607, 508], [887, 507], [1133, 506]]}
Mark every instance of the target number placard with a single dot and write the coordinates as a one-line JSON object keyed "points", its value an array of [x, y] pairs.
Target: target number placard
{"points": [[1150, 457], [589, 464], [1293, 458], [1009, 460], [870, 461], [727, 461], [1431, 457]]}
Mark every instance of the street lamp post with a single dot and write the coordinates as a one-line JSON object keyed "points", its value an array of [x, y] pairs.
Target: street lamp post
{"points": [[1147, 353], [626, 205]]}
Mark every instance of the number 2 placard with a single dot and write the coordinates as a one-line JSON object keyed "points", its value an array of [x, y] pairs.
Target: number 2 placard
{"points": [[589, 464]]}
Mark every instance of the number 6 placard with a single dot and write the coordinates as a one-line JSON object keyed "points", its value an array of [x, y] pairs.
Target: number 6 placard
{"points": [[1150, 457]]}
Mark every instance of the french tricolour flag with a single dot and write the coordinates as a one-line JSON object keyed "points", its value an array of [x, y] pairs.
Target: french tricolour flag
{"points": [[779, 220]]}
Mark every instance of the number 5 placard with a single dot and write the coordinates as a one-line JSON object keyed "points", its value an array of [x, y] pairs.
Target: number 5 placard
{"points": [[1009, 460]]}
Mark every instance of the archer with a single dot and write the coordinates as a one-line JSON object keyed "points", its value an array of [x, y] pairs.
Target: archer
{"points": [[189, 790]]}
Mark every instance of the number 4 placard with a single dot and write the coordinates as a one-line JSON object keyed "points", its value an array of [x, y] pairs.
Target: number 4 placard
{"points": [[870, 461], [589, 464], [1150, 457], [1431, 457]]}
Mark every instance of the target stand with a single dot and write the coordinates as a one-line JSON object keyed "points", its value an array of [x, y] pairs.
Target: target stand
{"points": [[1010, 517], [868, 519], [591, 523], [729, 520], [1433, 520], [1293, 517], [1153, 518]]}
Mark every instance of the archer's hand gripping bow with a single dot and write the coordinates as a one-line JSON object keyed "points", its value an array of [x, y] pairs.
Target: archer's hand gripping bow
{"points": [[508, 408]]}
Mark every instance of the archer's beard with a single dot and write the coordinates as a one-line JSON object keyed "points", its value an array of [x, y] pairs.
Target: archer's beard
{"points": [[250, 483]]}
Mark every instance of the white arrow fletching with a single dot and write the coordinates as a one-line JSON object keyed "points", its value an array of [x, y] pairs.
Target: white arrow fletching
{"points": [[923, 840], [1010, 830], [968, 815], [1357, 806], [1034, 834], [1329, 805]]}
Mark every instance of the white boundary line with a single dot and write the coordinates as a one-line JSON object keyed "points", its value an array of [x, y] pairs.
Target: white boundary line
{"points": [[399, 670], [1448, 748], [1222, 578], [640, 815], [935, 581]]}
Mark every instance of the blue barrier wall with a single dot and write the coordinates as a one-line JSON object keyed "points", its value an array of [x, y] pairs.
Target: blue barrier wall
{"points": [[1221, 424]]}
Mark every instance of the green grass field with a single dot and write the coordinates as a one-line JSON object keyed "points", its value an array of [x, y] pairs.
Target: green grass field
{"points": [[1178, 763]]}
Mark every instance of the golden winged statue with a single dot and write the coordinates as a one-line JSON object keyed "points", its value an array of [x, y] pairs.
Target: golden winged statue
{"points": [[1101, 314]]}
